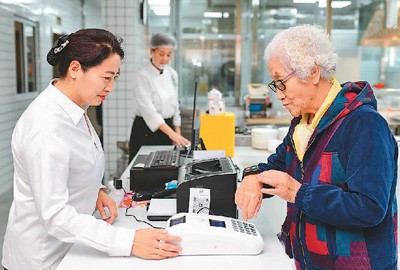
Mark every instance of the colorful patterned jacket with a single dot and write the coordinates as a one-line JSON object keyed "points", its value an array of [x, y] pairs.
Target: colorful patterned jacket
{"points": [[345, 214]]}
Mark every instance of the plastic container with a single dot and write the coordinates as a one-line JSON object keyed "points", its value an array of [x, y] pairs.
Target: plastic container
{"points": [[261, 136]]}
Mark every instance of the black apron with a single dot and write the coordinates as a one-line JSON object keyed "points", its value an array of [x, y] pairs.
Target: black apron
{"points": [[142, 135]]}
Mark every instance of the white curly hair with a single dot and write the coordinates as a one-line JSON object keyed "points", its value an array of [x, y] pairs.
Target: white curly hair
{"points": [[300, 48]]}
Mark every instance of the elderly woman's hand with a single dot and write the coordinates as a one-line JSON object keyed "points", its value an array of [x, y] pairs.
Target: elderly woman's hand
{"points": [[284, 185], [155, 244], [248, 196]]}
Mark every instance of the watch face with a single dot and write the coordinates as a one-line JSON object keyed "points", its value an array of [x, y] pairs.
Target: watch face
{"points": [[254, 168], [251, 170]]}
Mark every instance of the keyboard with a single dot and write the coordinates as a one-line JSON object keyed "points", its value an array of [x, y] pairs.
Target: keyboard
{"points": [[163, 159]]}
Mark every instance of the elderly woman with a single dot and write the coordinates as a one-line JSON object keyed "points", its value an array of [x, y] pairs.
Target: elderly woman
{"points": [[156, 112], [337, 166]]}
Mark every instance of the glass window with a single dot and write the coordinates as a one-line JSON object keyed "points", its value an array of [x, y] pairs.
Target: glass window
{"points": [[208, 35], [222, 42], [25, 56]]}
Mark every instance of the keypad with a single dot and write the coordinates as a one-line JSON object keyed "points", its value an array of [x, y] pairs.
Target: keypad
{"points": [[244, 227]]}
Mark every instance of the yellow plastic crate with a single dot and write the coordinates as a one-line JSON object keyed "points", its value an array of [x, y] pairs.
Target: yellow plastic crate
{"points": [[218, 132]]}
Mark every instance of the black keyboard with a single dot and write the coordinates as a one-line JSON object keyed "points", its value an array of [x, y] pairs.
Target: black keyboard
{"points": [[163, 159]]}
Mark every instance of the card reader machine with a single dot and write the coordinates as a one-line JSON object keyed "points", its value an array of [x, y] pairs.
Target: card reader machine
{"points": [[217, 177], [215, 235]]}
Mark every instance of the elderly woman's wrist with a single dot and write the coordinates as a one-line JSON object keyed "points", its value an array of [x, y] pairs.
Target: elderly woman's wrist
{"points": [[300, 195]]}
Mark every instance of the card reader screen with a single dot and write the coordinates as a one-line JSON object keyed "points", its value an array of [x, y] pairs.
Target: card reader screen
{"points": [[217, 223], [177, 221]]}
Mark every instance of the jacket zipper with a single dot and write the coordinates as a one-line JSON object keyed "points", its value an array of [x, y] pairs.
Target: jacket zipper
{"points": [[300, 216], [300, 242]]}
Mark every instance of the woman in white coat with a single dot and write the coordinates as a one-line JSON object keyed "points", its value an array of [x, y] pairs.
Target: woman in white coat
{"points": [[59, 165], [156, 112]]}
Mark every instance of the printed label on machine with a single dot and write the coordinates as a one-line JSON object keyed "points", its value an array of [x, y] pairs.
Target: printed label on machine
{"points": [[199, 200]]}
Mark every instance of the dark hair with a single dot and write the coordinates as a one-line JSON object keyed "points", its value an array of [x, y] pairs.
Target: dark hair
{"points": [[90, 47]]}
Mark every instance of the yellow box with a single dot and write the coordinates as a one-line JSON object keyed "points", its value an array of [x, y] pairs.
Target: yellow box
{"points": [[218, 132]]}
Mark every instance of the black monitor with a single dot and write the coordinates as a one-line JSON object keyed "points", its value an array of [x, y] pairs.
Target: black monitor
{"points": [[196, 142], [195, 139]]}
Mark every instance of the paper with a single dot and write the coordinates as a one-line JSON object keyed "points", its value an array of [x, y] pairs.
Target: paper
{"points": [[139, 165], [199, 200], [162, 207], [208, 154]]}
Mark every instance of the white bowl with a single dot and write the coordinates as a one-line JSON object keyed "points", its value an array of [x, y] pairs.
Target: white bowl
{"points": [[273, 144], [261, 136], [282, 132]]}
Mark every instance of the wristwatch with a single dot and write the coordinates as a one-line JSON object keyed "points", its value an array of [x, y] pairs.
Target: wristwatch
{"points": [[255, 170], [251, 170]]}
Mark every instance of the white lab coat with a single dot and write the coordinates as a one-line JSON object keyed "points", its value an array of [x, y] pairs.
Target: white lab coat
{"points": [[155, 96], [58, 167]]}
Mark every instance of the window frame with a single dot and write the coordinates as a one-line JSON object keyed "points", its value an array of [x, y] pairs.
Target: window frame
{"points": [[26, 52]]}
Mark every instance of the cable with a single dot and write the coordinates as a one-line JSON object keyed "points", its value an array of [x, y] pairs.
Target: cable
{"points": [[138, 220], [187, 154], [125, 191], [207, 209], [237, 169]]}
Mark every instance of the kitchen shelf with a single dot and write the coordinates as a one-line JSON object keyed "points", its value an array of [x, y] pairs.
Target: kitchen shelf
{"points": [[268, 120]]}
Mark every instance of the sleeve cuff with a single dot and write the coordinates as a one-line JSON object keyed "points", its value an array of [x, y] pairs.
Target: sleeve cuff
{"points": [[155, 122], [176, 121], [125, 241], [301, 194]]}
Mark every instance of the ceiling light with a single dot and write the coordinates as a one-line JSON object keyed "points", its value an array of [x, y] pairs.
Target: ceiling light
{"points": [[304, 1], [158, 2], [340, 4], [161, 10], [210, 14], [334, 4], [17, 2], [50, 11]]}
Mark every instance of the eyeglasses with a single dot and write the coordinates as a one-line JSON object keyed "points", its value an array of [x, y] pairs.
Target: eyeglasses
{"points": [[278, 84]]}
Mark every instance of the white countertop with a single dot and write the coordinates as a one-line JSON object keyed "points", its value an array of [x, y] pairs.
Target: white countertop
{"points": [[268, 223]]}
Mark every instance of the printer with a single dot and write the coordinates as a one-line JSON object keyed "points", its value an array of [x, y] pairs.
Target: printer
{"points": [[217, 177]]}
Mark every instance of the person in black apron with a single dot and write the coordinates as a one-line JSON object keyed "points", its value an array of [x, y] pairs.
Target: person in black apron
{"points": [[142, 135], [156, 107]]}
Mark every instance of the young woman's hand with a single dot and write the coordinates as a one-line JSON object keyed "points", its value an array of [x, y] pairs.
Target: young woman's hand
{"points": [[155, 244], [179, 140], [175, 135], [103, 200]]}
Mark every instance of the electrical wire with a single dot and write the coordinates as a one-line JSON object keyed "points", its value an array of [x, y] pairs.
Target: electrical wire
{"points": [[237, 169], [205, 208], [138, 220]]}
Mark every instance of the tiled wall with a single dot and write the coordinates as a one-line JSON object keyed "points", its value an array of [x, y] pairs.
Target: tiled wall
{"points": [[122, 18], [9, 108], [11, 104]]}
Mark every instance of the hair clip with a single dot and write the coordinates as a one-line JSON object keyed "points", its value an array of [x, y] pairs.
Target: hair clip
{"points": [[61, 47]]}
